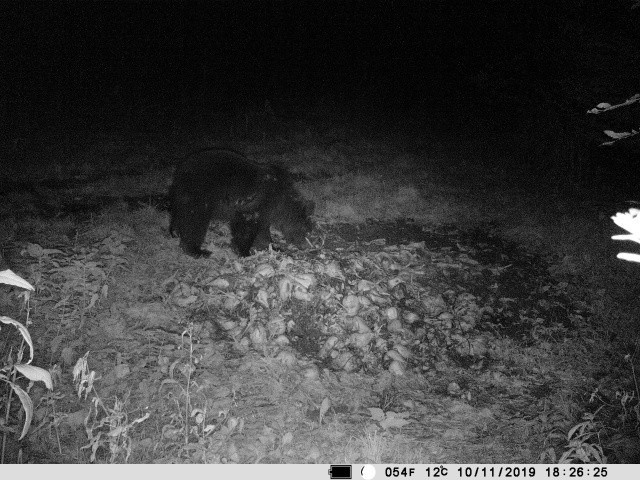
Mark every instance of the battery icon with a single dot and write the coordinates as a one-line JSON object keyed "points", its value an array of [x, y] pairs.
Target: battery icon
{"points": [[340, 472]]}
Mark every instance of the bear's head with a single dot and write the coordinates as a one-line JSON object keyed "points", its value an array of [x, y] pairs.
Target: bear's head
{"points": [[297, 224]]}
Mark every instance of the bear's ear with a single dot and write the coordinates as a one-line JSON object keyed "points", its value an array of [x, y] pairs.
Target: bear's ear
{"points": [[309, 207]]}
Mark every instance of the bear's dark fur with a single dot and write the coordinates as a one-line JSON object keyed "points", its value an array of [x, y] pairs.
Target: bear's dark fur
{"points": [[220, 184]]}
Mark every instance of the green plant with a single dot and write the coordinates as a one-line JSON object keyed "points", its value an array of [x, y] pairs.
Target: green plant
{"points": [[631, 400], [105, 426], [584, 442], [14, 367], [588, 439], [629, 221]]}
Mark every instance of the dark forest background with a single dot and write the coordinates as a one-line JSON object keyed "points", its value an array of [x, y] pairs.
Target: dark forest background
{"points": [[60, 56]]}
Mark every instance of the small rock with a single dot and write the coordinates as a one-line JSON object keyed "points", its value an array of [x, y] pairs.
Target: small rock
{"points": [[454, 389], [434, 305], [301, 294], [397, 368], [351, 305], [285, 287], [287, 358], [265, 270], [258, 336], [333, 270], [305, 280], [281, 341], [395, 326], [311, 373], [221, 283]]}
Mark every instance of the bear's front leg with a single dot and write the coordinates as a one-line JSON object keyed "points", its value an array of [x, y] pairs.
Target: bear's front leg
{"points": [[263, 238], [189, 220], [244, 230]]}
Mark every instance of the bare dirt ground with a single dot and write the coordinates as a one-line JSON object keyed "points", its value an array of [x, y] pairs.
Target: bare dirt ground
{"points": [[431, 322]]}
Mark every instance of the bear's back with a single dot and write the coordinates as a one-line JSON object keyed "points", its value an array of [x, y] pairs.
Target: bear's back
{"points": [[226, 180]]}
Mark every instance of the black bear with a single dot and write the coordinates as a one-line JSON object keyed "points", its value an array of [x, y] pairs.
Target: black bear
{"points": [[223, 184]]}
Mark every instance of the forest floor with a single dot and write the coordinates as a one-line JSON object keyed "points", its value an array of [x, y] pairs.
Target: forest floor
{"points": [[448, 312]]}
